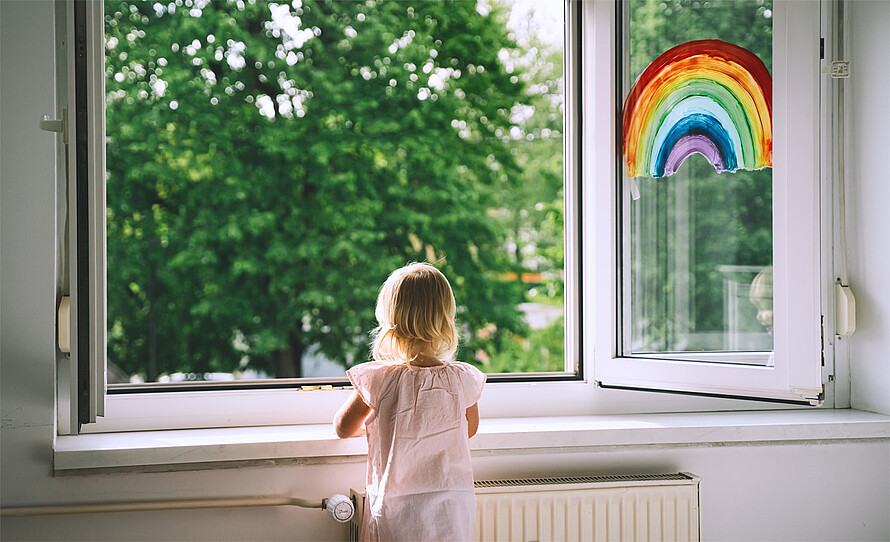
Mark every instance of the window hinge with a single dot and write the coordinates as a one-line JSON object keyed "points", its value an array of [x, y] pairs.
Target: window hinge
{"points": [[814, 396], [821, 48], [838, 69]]}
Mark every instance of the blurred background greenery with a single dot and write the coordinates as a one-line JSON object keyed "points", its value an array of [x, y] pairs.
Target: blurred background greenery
{"points": [[269, 165]]}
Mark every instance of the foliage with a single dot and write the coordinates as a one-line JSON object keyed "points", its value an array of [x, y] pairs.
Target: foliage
{"points": [[269, 165], [541, 351], [532, 211], [659, 25]]}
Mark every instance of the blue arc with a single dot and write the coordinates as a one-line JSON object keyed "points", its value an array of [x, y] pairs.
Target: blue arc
{"points": [[697, 124]]}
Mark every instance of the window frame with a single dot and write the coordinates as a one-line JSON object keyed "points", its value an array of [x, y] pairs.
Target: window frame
{"points": [[797, 375], [81, 378], [591, 300], [213, 404]]}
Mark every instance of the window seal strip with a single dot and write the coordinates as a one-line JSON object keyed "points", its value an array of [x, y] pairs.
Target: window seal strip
{"points": [[82, 217]]}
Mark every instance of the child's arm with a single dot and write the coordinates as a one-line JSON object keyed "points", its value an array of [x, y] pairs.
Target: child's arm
{"points": [[349, 419], [473, 419]]}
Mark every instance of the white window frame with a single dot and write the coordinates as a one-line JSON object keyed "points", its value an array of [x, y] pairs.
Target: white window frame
{"points": [[592, 269], [74, 393], [797, 375], [219, 407]]}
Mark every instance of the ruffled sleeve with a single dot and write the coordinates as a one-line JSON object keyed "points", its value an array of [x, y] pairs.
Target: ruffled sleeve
{"points": [[472, 381], [365, 378]]}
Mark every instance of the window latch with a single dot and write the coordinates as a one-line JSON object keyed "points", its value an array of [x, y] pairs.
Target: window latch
{"points": [[55, 125]]}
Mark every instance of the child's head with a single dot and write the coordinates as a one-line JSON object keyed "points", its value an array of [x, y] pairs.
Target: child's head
{"points": [[415, 314]]}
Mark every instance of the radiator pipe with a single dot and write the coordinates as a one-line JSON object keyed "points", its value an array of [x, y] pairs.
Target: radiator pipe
{"points": [[181, 504]]}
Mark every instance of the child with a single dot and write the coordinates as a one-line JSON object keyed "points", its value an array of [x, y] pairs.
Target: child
{"points": [[419, 409]]}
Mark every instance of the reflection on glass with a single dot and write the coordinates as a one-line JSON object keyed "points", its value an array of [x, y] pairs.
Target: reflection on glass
{"points": [[695, 243], [761, 295]]}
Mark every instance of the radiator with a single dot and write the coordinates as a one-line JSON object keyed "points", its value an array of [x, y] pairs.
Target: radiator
{"points": [[582, 508]]}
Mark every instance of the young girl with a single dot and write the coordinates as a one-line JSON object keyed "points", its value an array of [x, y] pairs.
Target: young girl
{"points": [[419, 409]]}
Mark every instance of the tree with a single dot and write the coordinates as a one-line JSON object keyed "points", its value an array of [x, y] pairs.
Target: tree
{"points": [[269, 165], [531, 211]]}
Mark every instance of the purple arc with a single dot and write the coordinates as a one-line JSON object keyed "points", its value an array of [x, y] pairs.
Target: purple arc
{"points": [[689, 145]]}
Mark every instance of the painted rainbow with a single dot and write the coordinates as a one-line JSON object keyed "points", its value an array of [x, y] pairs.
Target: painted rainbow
{"points": [[707, 97]]}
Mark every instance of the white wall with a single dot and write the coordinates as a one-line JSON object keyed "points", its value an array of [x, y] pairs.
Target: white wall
{"points": [[27, 245], [820, 491], [868, 200], [794, 492]]}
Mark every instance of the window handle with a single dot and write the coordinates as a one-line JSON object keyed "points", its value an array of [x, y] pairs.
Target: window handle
{"points": [[845, 308], [64, 325]]}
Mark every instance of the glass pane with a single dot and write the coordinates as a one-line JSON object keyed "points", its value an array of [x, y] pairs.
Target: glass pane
{"points": [[697, 242], [269, 164]]}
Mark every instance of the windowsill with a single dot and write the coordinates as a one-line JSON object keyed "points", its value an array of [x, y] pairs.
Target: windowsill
{"points": [[214, 448]]}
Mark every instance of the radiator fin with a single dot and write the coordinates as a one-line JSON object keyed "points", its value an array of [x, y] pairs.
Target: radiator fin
{"points": [[649, 507], [584, 480]]}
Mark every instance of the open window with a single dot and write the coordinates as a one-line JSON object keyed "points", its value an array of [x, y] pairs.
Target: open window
{"points": [[271, 163], [268, 164], [706, 197], [499, 155]]}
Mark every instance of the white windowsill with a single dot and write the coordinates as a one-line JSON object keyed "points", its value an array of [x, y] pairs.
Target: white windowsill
{"points": [[209, 448]]}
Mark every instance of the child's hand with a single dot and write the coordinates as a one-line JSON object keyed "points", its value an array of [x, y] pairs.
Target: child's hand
{"points": [[472, 420]]}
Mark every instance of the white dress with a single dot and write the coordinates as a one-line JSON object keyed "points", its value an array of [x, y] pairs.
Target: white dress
{"points": [[420, 479]]}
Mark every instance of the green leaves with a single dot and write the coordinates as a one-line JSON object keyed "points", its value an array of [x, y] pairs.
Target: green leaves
{"points": [[281, 160]]}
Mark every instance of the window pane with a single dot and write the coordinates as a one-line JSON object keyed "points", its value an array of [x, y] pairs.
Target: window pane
{"points": [[270, 164], [697, 244]]}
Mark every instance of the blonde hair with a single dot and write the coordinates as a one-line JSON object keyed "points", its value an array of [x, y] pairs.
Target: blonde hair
{"points": [[761, 292], [415, 312]]}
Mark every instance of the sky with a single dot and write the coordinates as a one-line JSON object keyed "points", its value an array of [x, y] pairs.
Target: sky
{"points": [[547, 19]]}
